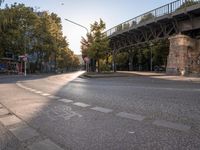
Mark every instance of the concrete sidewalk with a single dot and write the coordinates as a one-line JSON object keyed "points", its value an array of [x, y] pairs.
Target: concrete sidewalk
{"points": [[154, 75], [163, 76], [105, 75]]}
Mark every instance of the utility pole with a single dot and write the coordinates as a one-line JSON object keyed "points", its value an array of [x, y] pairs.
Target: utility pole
{"points": [[78, 25], [87, 62]]}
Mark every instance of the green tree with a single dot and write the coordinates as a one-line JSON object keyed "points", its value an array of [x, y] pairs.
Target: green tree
{"points": [[160, 53], [146, 17], [121, 60], [15, 33], [119, 28], [97, 44], [126, 26], [23, 31], [187, 3]]}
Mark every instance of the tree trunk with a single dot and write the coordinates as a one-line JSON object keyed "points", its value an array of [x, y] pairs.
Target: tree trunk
{"points": [[98, 61]]}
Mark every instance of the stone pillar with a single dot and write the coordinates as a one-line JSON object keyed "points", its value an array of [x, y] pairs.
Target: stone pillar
{"points": [[183, 55]]}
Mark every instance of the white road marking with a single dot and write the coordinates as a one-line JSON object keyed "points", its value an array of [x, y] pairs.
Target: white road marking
{"points": [[101, 109], [33, 90], [38, 92], [54, 97], [65, 100], [45, 94], [20, 85], [131, 116], [81, 104], [27, 88], [131, 132], [168, 124]]}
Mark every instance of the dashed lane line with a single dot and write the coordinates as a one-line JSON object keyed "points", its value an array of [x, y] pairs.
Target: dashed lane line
{"points": [[65, 100], [130, 116], [38, 92], [101, 109], [126, 115], [81, 104], [45, 94], [168, 124], [32, 90], [53, 97]]}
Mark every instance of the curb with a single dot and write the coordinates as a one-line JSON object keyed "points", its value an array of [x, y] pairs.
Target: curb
{"points": [[104, 76]]}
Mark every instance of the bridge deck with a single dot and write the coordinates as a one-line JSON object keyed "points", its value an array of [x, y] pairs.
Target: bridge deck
{"points": [[178, 10]]}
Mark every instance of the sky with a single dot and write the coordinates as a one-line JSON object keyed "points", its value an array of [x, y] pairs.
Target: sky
{"points": [[86, 12]]}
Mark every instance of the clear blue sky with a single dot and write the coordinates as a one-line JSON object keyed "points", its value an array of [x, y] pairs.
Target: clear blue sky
{"points": [[85, 12]]}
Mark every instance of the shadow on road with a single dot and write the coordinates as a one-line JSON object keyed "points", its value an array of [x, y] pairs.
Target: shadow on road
{"points": [[75, 128]]}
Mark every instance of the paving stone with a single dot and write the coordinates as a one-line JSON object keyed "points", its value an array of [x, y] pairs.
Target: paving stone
{"points": [[101, 109], [10, 120], [66, 100], [4, 111], [168, 124], [24, 132], [81, 104], [131, 116], [44, 145]]}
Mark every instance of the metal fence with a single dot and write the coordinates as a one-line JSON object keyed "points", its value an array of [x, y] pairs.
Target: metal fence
{"points": [[158, 12]]}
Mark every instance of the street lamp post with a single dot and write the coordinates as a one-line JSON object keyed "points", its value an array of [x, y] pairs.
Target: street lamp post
{"points": [[87, 62], [78, 25]]}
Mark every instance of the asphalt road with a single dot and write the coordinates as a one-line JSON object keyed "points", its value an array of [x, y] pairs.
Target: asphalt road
{"points": [[121, 113]]}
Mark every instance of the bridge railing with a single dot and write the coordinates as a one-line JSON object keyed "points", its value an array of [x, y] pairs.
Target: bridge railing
{"points": [[158, 12]]}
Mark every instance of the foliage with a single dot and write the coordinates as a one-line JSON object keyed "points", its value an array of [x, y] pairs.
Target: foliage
{"points": [[104, 67], [121, 58], [24, 30], [187, 4], [126, 26], [134, 23], [146, 17], [119, 27], [141, 56], [97, 44]]}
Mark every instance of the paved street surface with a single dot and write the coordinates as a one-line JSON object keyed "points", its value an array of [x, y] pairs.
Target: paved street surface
{"points": [[65, 112]]}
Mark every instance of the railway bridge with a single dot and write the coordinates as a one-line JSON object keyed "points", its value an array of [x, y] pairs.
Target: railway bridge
{"points": [[178, 21]]}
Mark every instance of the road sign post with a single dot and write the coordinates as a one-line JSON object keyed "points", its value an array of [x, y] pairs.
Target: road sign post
{"points": [[87, 61], [24, 58]]}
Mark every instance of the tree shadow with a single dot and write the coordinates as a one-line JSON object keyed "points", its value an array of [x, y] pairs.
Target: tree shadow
{"points": [[65, 125]]}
